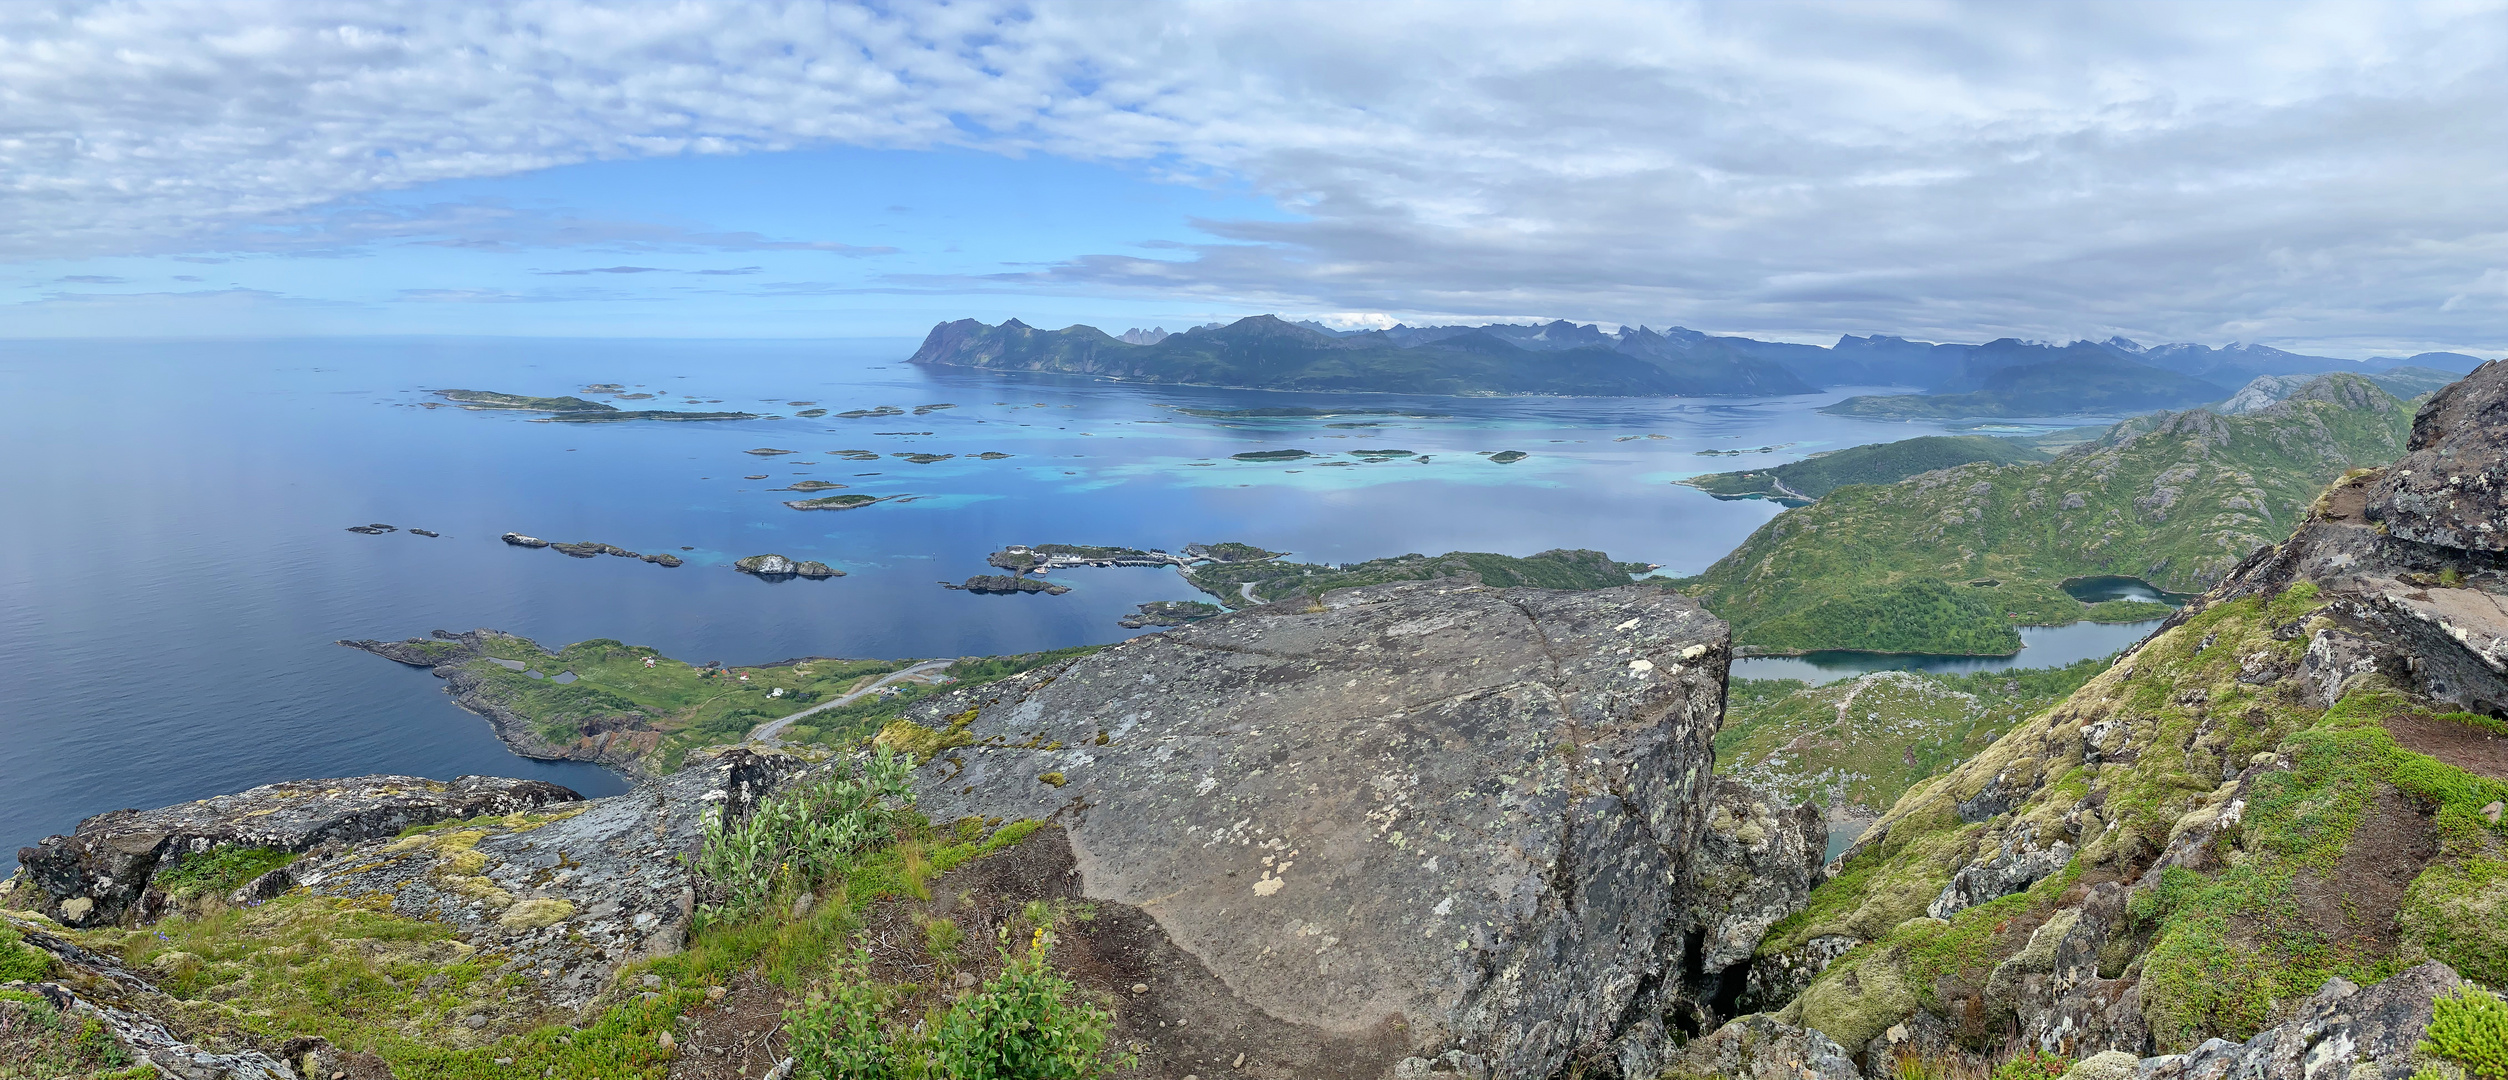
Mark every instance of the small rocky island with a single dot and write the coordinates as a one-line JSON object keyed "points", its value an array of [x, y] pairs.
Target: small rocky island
{"points": [[1169, 613], [1006, 585], [779, 568], [835, 502], [573, 410], [589, 548]]}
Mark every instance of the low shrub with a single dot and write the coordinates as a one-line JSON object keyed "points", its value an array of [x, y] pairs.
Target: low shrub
{"points": [[19, 961], [798, 839], [2470, 1028], [1027, 1023]]}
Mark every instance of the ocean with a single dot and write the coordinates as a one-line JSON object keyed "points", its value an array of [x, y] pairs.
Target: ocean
{"points": [[175, 564]]}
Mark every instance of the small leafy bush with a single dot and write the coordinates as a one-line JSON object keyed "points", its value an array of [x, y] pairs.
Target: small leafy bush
{"points": [[1026, 1024], [2033, 1065], [836, 1036], [2470, 1028], [797, 839]]}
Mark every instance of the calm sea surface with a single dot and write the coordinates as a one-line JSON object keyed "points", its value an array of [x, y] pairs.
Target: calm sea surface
{"points": [[174, 565]]}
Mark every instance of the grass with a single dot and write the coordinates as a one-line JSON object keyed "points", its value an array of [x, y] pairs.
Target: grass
{"points": [[2175, 501]]}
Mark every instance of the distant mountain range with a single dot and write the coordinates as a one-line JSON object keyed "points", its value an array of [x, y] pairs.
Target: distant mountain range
{"points": [[2006, 377]]}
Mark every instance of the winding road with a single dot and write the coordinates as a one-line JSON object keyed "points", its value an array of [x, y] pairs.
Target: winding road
{"points": [[771, 732]]}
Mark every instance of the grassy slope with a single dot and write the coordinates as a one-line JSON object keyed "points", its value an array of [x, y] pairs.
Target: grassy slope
{"points": [[1275, 581], [2215, 949], [2175, 500], [1856, 745], [367, 979], [1879, 463]]}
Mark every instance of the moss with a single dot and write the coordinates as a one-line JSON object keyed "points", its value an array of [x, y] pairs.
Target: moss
{"points": [[536, 913], [1857, 998], [1053, 779], [907, 737], [2458, 913]]}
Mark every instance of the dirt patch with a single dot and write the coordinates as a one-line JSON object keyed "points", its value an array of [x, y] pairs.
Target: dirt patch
{"points": [[2346, 503], [2355, 905], [2475, 750], [1185, 1022]]}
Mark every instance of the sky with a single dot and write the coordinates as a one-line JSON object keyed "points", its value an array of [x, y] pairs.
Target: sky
{"points": [[2323, 177]]}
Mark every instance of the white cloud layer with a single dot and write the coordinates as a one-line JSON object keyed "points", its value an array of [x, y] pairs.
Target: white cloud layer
{"points": [[2319, 173]]}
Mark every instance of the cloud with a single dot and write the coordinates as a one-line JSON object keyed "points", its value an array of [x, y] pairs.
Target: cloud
{"points": [[92, 279], [2301, 172], [606, 270]]}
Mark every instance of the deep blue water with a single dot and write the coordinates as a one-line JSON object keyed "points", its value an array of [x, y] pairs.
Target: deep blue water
{"points": [[174, 566]]}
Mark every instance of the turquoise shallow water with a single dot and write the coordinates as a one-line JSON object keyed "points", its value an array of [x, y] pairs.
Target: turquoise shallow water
{"points": [[174, 566]]}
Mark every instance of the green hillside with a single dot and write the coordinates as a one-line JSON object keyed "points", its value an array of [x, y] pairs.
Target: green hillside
{"points": [[1950, 561], [1879, 463]]}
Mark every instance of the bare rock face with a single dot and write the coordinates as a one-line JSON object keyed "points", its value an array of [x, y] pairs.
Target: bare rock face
{"points": [[100, 872], [2451, 490], [1471, 815]]}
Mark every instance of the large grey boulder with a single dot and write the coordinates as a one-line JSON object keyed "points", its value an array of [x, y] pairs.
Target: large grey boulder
{"points": [[100, 872], [1471, 813], [2451, 490]]}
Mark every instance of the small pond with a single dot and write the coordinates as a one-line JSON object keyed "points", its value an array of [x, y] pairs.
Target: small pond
{"points": [[2041, 646], [2103, 588]]}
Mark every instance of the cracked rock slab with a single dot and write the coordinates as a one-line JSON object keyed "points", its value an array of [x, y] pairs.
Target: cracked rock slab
{"points": [[1466, 810], [99, 872]]}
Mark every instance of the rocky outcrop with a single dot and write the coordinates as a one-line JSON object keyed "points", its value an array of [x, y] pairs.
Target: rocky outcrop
{"points": [[1761, 1047], [100, 873], [1485, 815], [2343, 1032], [569, 895], [2451, 490]]}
